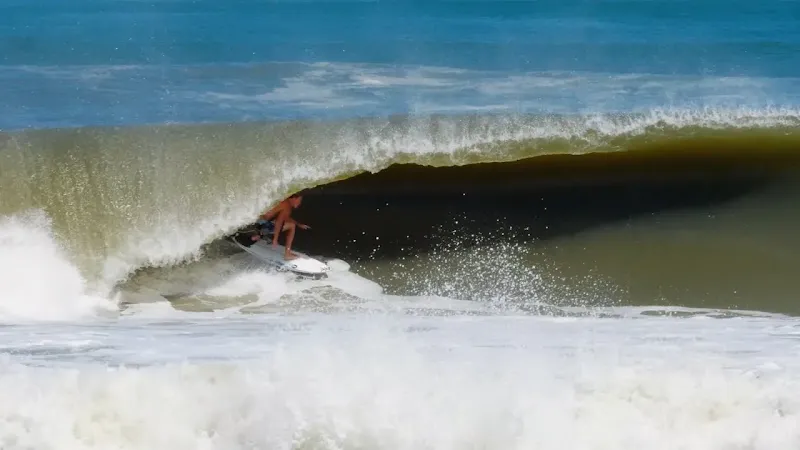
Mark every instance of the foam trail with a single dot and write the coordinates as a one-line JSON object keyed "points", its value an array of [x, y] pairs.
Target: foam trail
{"points": [[36, 280], [462, 387]]}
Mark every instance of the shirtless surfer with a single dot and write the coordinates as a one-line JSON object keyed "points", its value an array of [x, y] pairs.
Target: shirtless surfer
{"points": [[279, 218]]}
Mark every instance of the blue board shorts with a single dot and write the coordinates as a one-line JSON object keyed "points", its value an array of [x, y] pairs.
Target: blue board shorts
{"points": [[266, 227]]}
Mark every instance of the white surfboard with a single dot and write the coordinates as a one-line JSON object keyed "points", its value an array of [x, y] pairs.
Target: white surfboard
{"points": [[303, 264]]}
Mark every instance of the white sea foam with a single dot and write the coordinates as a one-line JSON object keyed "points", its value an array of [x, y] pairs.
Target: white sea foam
{"points": [[395, 383], [37, 281]]}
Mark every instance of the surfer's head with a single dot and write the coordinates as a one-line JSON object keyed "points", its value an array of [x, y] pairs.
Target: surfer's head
{"points": [[295, 199]]}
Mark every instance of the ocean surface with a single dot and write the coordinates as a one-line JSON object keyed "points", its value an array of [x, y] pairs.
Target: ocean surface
{"points": [[550, 224]]}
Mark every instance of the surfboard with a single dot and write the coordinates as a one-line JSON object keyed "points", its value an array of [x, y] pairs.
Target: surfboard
{"points": [[302, 265]]}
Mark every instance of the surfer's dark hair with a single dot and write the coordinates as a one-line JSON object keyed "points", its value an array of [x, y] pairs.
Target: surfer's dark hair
{"points": [[298, 194]]}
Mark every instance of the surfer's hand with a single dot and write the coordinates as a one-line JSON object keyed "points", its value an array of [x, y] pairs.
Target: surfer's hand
{"points": [[303, 226]]}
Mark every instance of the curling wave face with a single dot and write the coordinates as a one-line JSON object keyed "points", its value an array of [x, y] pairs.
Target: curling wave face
{"points": [[121, 199]]}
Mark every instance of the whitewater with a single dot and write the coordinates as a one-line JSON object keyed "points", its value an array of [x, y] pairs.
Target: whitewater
{"points": [[549, 224], [347, 382]]}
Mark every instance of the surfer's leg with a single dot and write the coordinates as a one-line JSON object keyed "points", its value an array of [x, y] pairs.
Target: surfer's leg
{"points": [[280, 225], [289, 228]]}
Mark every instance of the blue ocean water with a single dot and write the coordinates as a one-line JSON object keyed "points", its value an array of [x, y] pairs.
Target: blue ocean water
{"points": [[101, 62]]}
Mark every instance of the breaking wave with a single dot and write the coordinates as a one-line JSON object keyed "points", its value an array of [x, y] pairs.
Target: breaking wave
{"points": [[122, 198]]}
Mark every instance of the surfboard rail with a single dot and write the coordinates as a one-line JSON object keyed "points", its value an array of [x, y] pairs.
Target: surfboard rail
{"points": [[302, 265]]}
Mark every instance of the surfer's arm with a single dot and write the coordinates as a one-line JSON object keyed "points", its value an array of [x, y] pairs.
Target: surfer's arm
{"points": [[269, 214], [290, 220]]}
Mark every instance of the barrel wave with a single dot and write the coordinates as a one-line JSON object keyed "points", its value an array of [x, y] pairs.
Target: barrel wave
{"points": [[119, 199], [548, 224]]}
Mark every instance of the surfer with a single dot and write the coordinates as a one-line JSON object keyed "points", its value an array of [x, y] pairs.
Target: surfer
{"points": [[279, 218]]}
